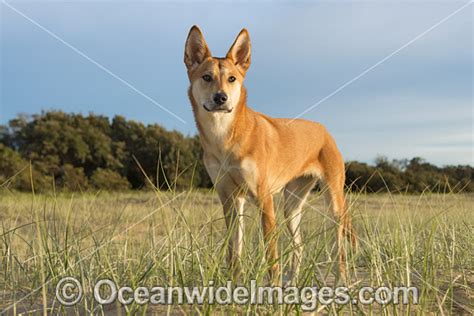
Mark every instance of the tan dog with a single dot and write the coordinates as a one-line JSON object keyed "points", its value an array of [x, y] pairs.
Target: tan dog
{"points": [[247, 153]]}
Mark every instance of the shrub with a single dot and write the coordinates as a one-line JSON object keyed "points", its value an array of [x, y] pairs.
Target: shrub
{"points": [[73, 179], [15, 173], [13, 169], [107, 179]]}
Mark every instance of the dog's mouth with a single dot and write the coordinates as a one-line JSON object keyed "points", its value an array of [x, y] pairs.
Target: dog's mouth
{"points": [[217, 109]]}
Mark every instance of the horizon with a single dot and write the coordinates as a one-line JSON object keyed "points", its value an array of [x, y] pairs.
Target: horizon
{"points": [[415, 103], [110, 119]]}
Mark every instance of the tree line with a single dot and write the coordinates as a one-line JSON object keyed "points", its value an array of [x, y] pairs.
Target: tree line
{"points": [[55, 150]]}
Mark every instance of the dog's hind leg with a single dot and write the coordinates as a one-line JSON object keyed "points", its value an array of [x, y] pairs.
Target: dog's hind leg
{"points": [[296, 193], [333, 180]]}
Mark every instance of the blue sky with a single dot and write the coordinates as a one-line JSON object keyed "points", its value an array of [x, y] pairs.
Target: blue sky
{"points": [[416, 103]]}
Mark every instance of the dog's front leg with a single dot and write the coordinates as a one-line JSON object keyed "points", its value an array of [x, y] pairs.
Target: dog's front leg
{"points": [[235, 226], [233, 206]]}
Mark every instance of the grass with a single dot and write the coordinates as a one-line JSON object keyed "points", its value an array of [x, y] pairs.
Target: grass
{"points": [[171, 238]]}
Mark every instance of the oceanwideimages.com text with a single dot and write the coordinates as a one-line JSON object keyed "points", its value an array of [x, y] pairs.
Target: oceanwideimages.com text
{"points": [[69, 292]]}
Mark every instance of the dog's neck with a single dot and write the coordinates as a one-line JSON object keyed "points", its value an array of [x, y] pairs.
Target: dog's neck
{"points": [[219, 129]]}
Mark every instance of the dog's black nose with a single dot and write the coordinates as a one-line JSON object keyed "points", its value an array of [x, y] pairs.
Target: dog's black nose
{"points": [[220, 98]]}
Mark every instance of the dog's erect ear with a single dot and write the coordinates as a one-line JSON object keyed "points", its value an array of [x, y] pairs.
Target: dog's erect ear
{"points": [[196, 50], [239, 53]]}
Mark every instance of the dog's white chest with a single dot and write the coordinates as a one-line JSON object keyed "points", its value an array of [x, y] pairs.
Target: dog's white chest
{"points": [[243, 173], [219, 160]]}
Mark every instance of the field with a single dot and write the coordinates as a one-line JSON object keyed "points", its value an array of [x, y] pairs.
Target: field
{"points": [[178, 238]]}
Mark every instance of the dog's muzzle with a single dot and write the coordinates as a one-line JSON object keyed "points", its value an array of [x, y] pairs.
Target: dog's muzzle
{"points": [[217, 108]]}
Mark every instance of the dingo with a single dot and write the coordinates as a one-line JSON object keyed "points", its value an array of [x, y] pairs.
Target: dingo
{"points": [[247, 153]]}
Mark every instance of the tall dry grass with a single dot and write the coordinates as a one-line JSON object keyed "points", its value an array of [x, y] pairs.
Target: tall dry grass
{"points": [[178, 238]]}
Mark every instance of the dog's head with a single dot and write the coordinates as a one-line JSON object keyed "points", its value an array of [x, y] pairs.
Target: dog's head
{"points": [[216, 83]]}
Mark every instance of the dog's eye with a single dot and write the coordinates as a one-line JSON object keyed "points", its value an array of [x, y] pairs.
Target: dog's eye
{"points": [[207, 78], [232, 79]]}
